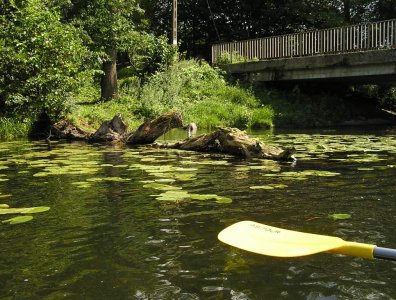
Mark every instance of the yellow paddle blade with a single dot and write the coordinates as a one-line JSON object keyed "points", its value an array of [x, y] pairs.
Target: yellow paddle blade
{"points": [[268, 240]]}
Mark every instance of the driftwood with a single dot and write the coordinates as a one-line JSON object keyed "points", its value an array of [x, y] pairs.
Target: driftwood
{"points": [[65, 129], [110, 131], [223, 140], [150, 130], [233, 141]]}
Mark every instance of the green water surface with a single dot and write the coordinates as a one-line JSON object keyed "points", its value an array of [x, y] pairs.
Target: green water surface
{"points": [[142, 223]]}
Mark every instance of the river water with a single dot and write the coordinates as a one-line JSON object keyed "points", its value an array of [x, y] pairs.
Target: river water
{"points": [[139, 223]]}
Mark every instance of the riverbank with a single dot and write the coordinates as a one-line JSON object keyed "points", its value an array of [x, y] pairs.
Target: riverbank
{"points": [[206, 96]]}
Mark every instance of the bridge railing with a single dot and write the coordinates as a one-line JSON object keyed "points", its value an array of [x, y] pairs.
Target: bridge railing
{"points": [[362, 37]]}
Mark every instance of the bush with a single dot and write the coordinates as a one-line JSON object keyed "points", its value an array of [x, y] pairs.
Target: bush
{"points": [[201, 93], [148, 55], [40, 61], [227, 58]]}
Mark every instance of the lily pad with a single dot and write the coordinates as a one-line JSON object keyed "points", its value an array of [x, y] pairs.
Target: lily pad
{"points": [[340, 216], [162, 187], [203, 196], [35, 210], [18, 220], [24, 210], [223, 200], [175, 196], [261, 187]]}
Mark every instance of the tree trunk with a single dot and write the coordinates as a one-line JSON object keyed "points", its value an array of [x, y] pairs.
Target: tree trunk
{"points": [[347, 11], [108, 84]]}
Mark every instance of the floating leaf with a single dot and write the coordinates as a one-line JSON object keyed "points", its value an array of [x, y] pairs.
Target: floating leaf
{"points": [[162, 187], [18, 220], [24, 210], [35, 210], [175, 196], [203, 196], [340, 216], [2, 205], [365, 169], [166, 180], [223, 200], [6, 211], [261, 187]]}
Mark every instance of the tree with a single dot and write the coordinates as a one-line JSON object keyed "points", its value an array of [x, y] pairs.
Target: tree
{"points": [[112, 26], [41, 60], [204, 22], [385, 9]]}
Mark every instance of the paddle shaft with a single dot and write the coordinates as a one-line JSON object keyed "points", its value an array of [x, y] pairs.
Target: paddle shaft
{"points": [[385, 253]]}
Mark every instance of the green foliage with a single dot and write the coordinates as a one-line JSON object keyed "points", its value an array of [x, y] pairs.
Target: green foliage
{"points": [[226, 58], [40, 61], [13, 128], [150, 54], [110, 24], [203, 96]]}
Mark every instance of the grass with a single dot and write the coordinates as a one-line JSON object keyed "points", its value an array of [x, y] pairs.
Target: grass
{"points": [[12, 128]]}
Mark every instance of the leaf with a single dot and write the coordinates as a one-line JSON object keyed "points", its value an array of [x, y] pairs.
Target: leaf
{"points": [[18, 220], [203, 197], [175, 196], [35, 210], [162, 187], [6, 211], [261, 187], [340, 216], [24, 210], [223, 200], [2, 205]]}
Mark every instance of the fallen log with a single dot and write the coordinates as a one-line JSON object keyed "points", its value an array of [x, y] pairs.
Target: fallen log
{"points": [[150, 130], [233, 141]]}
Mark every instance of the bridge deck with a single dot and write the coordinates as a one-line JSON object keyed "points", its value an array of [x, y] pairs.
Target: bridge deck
{"points": [[365, 52]]}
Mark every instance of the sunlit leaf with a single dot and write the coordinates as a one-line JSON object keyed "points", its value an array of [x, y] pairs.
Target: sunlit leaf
{"points": [[340, 216], [18, 220], [35, 210], [162, 187]]}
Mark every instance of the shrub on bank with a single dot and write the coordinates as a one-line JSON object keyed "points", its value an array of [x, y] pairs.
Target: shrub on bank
{"points": [[201, 93], [13, 128]]}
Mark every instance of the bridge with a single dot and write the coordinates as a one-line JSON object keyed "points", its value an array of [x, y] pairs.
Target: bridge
{"points": [[364, 53]]}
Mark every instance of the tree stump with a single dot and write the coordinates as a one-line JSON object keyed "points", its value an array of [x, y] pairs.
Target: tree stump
{"points": [[110, 131]]}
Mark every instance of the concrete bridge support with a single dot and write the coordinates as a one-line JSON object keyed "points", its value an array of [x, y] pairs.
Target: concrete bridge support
{"points": [[370, 67]]}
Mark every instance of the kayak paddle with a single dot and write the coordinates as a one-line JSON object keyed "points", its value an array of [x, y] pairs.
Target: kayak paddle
{"points": [[273, 241]]}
